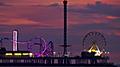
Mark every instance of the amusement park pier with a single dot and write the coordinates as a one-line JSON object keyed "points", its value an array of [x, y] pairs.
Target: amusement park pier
{"points": [[94, 51]]}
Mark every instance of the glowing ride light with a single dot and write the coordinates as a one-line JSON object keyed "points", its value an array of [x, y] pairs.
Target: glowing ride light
{"points": [[17, 54], [8, 54], [31, 54], [25, 54], [94, 48]]}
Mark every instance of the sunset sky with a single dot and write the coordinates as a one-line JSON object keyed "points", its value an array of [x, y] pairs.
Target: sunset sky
{"points": [[44, 18], [46, 2]]}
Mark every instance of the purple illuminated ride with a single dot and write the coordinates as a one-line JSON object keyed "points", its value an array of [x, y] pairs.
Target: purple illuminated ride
{"points": [[44, 48]]}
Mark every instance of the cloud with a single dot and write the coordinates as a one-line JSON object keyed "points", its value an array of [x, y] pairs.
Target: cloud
{"points": [[117, 33], [34, 14], [16, 21], [54, 5], [102, 9], [108, 10], [29, 2], [3, 4], [46, 2], [77, 15]]}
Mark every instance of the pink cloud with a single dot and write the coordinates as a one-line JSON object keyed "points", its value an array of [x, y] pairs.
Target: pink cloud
{"points": [[112, 17], [17, 21], [18, 15], [117, 33], [88, 18], [37, 2], [47, 16], [5, 32]]}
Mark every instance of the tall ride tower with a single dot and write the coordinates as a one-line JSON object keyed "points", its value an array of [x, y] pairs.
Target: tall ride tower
{"points": [[65, 27], [15, 37]]}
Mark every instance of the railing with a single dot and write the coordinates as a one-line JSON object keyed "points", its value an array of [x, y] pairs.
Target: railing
{"points": [[56, 60]]}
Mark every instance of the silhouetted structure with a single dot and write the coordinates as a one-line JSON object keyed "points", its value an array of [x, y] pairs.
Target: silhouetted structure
{"points": [[90, 58], [65, 26]]}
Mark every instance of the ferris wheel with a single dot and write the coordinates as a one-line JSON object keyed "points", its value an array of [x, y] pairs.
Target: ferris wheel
{"points": [[39, 47], [94, 38]]}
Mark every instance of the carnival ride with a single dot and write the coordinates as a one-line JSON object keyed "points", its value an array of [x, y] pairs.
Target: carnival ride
{"points": [[37, 46], [94, 42], [45, 49]]}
